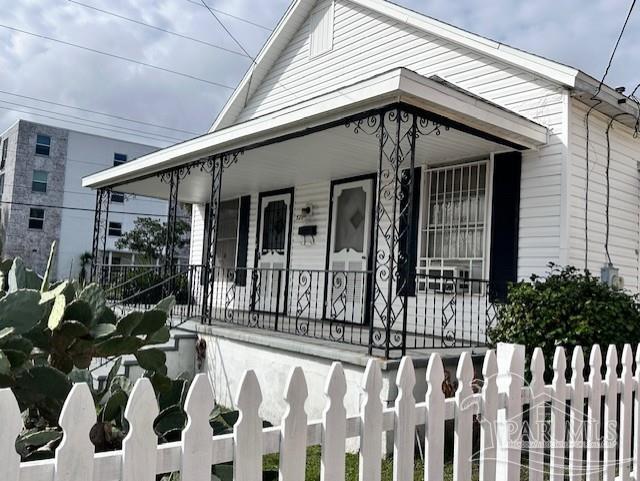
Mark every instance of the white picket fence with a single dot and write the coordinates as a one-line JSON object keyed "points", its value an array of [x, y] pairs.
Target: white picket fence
{"points": [[499, 405]]}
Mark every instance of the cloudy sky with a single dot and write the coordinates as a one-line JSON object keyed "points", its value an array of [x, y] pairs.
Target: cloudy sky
{"points": [[580, 33]]}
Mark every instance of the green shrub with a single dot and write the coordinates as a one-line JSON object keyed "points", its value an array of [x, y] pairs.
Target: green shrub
{"points": [[567, 308]]}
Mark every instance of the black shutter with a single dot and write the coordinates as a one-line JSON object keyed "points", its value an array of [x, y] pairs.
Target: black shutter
{"points": [[243, 240], [408, 241], [505, 219]]}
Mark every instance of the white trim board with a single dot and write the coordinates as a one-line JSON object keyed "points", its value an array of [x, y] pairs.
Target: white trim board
{"points": [[393, 86]]}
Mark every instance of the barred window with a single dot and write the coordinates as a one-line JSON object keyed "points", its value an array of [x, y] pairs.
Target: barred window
{"points": [[455, 221]]}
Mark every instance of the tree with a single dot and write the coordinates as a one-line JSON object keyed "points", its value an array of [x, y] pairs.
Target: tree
{"points": [[149, 237]]}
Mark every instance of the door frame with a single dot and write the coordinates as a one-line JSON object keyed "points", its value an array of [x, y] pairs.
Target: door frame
{"points": [[261, 195], [369, 292]]}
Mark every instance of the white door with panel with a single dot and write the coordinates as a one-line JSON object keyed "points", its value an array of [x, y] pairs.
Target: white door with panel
{"points": [[349, 247], [273, 252]]}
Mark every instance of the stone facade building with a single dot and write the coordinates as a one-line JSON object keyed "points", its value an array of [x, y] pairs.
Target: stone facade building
{"points": [[43, 200]]}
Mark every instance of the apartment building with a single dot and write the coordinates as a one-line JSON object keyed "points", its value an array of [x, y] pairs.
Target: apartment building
{"points": [[41, 171]]}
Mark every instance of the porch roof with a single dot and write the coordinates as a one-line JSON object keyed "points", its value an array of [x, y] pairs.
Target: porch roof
{"points": [[504, 129]]}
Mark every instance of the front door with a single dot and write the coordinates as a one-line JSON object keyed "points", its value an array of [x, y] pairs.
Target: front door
{"points": [[352, 204], [273, 251]]}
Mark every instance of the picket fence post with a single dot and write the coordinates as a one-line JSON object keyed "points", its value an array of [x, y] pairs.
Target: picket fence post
{"points": [[293, 440], [489, 414], [10, 427], [509, 424], [537, 417], [247, 432], [371, 423], [404, 423], [610, 413], [74, 456], [636, 418], [626, 409], [334, 427], [197, 435], [558, 408], [140, 447], [463, 424], [434, 428], [594, 403], [576, 419]]}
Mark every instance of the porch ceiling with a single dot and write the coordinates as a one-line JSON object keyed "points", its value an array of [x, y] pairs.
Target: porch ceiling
{"points": [[309, 142], [327, 155]]}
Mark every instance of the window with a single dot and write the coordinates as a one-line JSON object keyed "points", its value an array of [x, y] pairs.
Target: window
{"points": [[119, 159], [39, 182], [5, 149], [117, 197], [36, 218], [454, 224], [1, 184], [116, 261], [227, 242], [43, 144], [115, 229], [321, 37]]}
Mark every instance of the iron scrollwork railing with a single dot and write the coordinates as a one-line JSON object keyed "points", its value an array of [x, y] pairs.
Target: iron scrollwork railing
{"points": [[397, 130], [100, 230]]}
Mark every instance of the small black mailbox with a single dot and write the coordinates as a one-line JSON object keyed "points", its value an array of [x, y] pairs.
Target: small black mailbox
{"points": [[308, 230]]}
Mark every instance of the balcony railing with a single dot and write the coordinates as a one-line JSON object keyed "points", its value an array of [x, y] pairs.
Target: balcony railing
{"points": [[332, 305]]}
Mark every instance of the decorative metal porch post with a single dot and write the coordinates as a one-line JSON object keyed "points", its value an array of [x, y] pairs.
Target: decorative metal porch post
{"points": [[214, 165], [397, 129], [172, 178], [100, 230]]}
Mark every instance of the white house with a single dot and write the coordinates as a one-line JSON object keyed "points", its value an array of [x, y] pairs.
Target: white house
{"points": [[377, 179]]}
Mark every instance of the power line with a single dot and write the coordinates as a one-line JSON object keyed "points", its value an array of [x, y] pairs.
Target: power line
{"points": [[120, 57], [227, 30], [83, 124], [250, 22], [588, 135], [155, 27], [89, 120], [97, 112], [83, 209], [615, 48]]}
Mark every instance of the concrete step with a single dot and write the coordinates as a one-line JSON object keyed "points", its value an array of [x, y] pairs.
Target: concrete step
{"points": [[181, 358]]}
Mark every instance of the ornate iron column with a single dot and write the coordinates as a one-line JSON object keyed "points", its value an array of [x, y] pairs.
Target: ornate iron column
{"points": [[100, 231], [215, 165], [397, 129], [172, 179]]}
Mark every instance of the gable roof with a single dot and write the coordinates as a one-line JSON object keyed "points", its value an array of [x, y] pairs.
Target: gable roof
{"points": [[299, 10]]}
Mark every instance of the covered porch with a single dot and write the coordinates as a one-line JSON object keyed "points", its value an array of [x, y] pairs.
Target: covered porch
{"points": [[366, 216]]}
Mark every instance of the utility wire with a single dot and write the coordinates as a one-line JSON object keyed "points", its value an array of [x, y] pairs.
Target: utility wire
{"points": [[97, 112], [155, 27], [250, 22], [84, 124], [84, 209], [120, 57], [228, 31], [587, 127], [89, 120]]}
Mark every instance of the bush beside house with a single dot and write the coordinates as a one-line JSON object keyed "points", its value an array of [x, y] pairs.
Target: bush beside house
{"points": [[567, 308]]}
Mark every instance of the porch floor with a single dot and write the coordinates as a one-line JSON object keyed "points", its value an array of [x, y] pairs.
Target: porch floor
{"points": [[316, 347]]}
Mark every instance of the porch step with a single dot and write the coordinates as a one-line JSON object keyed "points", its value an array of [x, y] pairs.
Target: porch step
{"points": [[181, 358]]}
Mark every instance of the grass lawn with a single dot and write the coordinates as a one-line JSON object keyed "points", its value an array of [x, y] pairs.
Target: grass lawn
{"points": [[313, 467]]}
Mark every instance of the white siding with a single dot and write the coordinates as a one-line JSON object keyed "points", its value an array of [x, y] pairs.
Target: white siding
{"points": [[197, 234], [625, 195], [367, 43]]}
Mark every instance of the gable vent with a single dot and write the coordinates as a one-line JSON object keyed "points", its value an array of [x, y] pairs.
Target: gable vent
{"points": [[321, 37]]}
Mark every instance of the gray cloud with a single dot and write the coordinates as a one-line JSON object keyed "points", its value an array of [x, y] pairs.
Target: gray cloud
{"points": [[576, 32]]}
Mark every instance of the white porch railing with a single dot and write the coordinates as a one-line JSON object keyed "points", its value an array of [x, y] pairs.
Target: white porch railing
{"points": [[499, 405]]}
